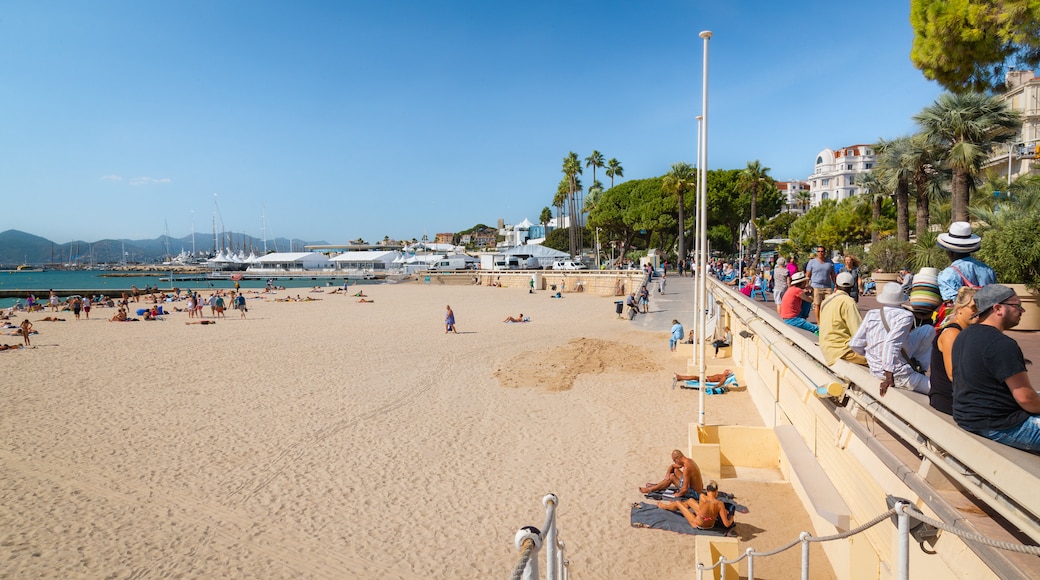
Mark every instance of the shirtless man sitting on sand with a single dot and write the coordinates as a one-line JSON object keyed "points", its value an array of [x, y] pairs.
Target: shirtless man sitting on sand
{"points": [[702, 512], [682, 473]]}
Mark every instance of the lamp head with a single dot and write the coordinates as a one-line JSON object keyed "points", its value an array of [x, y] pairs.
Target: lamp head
{"points": [[705, 35]]}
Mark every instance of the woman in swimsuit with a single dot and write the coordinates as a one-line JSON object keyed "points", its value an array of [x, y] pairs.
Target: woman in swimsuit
{"points": [[701, 512]]}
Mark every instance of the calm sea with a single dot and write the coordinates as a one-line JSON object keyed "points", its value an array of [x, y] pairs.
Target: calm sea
{"points": [[40, 283]]}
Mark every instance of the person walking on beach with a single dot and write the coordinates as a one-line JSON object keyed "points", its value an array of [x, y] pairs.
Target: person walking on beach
{"points": [[54, 301], [449, 321], [240, 304], [86, 307], [77, 305]]}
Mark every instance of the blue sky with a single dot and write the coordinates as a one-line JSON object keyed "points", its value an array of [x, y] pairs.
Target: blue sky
{"points": [[348, 119]]}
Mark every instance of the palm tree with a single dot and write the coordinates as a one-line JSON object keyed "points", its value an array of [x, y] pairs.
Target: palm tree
{"points": [[755, 179], [804, 198], [571, 170], [560, 199], [966, 127], [896, 175], [595, 192], [677, 182], [594, 160], [874, 191], [920, 158], [614, 169]]}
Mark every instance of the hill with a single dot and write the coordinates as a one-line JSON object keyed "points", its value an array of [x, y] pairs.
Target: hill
{"points": [[18, 247]]}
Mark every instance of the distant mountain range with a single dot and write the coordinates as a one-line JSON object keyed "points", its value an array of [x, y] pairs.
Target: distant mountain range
{"points": [[18, 248]]}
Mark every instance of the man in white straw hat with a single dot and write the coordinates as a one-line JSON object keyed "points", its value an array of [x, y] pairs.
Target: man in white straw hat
{"points": [[881, 339], [992, 394], [964, 270]]}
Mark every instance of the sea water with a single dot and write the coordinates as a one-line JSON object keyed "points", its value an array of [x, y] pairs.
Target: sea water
{"points": [[40, 283]]}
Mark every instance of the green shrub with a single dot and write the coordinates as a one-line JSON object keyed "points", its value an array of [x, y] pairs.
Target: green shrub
{"points": [[888, 255]]}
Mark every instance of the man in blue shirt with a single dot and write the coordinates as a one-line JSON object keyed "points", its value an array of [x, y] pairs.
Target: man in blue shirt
{"points": [[820, 271], [964, 270]]}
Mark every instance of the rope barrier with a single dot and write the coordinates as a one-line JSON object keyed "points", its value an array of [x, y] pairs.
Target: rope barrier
{"points": [[973, 537], [909, 511], [525, 555]]}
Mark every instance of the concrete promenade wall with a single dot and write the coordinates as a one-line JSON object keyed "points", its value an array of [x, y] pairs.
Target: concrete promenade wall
{"points": [[598, 282], [783, 379]]}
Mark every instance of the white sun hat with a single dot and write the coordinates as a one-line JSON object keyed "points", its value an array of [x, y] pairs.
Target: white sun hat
{"points": [[892, 294], [960, 239]]}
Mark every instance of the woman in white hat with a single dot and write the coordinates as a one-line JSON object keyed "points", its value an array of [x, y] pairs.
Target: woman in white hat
{"points": [[964, 270]]}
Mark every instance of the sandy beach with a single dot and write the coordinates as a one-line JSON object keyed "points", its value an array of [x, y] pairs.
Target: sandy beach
{"points": [[332, 439]]}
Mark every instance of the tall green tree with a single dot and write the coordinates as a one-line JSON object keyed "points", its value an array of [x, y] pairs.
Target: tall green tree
{"points": [[874, 194], [571, 170], [634, 210], [614, 169], [592, 197], [896, 176], [965, 45], [679, 180], [594, 160], [754, 180], [965, 127], [545, 216], [560, 199]]}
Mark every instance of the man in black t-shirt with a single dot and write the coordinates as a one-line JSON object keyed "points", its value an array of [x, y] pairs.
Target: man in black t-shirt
{"points": [[992, 395]]}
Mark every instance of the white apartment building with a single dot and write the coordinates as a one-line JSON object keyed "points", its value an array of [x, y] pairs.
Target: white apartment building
{"points": [[791, 192], [836, 171], [1020, 156]]}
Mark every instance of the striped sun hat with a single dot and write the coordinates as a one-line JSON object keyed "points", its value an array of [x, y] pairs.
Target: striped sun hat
{"points": [[924, 293]]}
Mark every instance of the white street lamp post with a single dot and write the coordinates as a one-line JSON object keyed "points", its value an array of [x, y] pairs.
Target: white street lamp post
{"points": [[702, 258]]}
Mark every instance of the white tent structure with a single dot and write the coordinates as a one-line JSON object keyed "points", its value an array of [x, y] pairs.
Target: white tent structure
{"points": [[379, 261], [545, 255], [279, 262]]}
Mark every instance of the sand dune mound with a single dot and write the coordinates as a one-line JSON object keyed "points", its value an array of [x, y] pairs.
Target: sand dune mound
{"points": [[556, 368]]}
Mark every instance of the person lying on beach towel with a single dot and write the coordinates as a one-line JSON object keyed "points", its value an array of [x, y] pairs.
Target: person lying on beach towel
{"points": [[51, 319], [686, 516], [365, 301], [517, 319], [726, 378], [202, 322]]}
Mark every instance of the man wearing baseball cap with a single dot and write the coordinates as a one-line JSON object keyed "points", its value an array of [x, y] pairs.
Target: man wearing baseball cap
{"points": [[839, 321], [992, 394]]}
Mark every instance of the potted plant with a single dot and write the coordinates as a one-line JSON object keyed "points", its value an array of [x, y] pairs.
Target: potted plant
{"points": [[886, 258]]}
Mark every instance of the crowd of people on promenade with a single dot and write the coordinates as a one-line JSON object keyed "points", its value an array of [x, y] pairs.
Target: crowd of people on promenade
{"points": [[938, 333]]}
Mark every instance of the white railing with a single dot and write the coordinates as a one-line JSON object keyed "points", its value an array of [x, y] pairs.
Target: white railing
{"points": [[903, 512], [529, 541]]}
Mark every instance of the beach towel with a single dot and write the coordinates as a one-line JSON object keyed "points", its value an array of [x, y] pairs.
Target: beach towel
{"points": [[730, 382], [648, 515]]}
